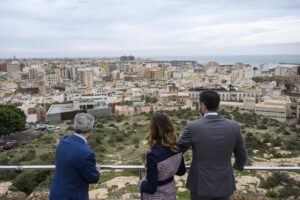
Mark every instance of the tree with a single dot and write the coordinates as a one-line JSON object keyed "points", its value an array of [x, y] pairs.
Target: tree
{"points": [[150, 99], [231, 88], [11, 119], [255, 69]]}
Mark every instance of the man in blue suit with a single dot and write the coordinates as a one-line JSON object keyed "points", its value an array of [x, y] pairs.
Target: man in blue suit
{"points": [[75, 163]]}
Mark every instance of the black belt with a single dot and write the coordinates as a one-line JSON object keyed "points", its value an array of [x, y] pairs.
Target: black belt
{"points": [[164, 182]]}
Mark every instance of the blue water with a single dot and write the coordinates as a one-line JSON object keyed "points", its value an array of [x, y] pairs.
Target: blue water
{"points": [[253, 60]]}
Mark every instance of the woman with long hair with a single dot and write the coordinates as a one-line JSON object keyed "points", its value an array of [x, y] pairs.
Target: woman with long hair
{"points": [[164, 160]]}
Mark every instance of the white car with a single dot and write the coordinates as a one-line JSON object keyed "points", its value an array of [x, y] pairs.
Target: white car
{"points": [[51, 128], [41, 127]]}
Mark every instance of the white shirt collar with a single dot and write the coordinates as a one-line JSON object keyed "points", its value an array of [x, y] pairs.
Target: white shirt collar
{"points": [[211, 113], [78, 135]]}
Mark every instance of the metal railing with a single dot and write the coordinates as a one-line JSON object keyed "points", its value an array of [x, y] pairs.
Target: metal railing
{"points": [[141, 167]]}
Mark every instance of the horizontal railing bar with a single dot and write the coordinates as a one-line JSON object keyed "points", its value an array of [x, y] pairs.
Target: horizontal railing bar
{"points": [[52, 167]]}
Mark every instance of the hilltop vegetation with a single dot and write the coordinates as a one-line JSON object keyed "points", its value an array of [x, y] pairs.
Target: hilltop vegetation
{"points": [[122, 140], [11, 119]]}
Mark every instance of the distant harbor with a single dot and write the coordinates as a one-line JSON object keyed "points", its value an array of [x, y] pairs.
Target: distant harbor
{"points": [[254, 60]]}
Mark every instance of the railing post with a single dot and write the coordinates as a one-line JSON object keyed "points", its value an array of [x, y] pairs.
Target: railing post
{"points": [[140, 174]]}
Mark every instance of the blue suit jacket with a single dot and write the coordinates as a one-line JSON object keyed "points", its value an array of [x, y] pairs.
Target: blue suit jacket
{"points": [[75, 170]]}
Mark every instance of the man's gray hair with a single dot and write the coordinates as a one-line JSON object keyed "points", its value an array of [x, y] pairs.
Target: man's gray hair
{"points": [[83, 122]]}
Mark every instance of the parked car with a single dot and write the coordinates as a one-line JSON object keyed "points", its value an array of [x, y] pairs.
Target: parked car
{"points": [[10, 145], [42, 127], [26, 127], [52, 128]]}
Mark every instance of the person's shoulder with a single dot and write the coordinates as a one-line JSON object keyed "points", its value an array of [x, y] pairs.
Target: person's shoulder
{"points": [[155, 150], [232, 122], [195, 122], [65, 137], [158, 150]]}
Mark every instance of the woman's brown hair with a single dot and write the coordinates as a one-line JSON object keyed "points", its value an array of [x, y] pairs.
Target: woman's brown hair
{"points": [[162, 132]]}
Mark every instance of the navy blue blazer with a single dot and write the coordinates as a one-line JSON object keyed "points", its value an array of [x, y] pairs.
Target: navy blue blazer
{"points": [[75, 170]]}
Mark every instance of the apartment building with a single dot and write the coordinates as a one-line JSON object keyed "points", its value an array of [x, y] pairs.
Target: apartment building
{"points": [[86, 76]]}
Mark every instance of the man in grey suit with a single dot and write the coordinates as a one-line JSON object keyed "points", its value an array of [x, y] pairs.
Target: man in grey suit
{"points": [[213, 140]]}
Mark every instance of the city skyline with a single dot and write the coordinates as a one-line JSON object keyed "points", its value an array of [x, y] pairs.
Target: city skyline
{"points": [[88, 28]]}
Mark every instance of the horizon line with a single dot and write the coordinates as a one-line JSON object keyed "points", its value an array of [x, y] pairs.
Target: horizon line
{"points": [[143, 56]]}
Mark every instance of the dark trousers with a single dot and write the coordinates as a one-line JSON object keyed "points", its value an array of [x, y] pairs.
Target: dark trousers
{"points": [[196, 197]]}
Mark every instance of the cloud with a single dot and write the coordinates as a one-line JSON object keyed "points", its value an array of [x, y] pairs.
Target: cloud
{"points": [[77, 27]]}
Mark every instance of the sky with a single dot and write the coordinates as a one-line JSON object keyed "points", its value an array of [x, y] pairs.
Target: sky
{"points": [[101, 28]]}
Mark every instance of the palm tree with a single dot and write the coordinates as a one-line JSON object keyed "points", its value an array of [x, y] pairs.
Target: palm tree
{"points": [[255, 69], [231, 88]]}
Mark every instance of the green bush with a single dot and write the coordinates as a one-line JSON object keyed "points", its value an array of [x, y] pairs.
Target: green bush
{"points": [[70, 128], [48, 157], [28, 180], [292, 145], [286, 133], [4, 160], [262, 127], [70, 122], [7, 175], [135, 140], [254, 143], [28, 156], [272, 194], [119, 138], [290, 191], [289, 187]]}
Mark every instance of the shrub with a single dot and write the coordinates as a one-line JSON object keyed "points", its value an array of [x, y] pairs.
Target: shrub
{"points": [[7, 175], [272, 194], [290, 191], [4, 160], [253, 143], [70, 122], [28, 156], [48, 157], [262, 127], [135, 140], [98, 139], [135, 125], [119, 118], [28, 180], [292, 145], [70, 128], [100, 125], [276, 179], [286, 133], [289, 187], [119, 138]]}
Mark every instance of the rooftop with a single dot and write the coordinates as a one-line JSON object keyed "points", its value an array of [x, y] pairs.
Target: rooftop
{"points": [[59, 108]]}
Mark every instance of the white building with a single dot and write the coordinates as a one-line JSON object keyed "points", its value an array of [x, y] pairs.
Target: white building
{"points": [[51, 79], [277, 109], [226, 95], [281, 71]]}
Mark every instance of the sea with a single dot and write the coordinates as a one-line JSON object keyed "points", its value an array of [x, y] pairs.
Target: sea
{"points": [[253, 60]]}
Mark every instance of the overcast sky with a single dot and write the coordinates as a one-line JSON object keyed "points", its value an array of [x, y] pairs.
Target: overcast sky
{"points": [[51, 28]]}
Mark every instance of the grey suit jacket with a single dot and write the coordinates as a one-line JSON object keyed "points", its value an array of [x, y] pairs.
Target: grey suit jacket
{"points": [[213, 140]]}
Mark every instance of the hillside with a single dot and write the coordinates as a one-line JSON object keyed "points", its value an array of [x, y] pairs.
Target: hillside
{"points": [[122, 140]]}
